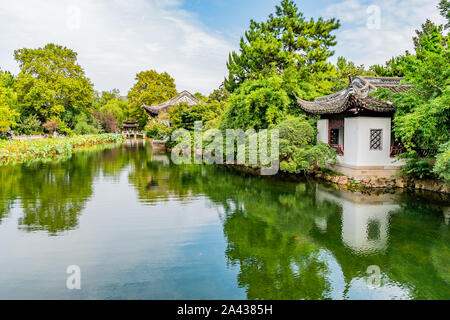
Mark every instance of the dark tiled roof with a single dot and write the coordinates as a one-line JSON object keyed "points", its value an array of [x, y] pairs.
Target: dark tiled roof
{"points": [[355, 95], [184, 96]]}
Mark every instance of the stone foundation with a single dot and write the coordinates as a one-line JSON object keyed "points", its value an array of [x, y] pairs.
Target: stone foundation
{"points": [[383, 182], [365, 171]]}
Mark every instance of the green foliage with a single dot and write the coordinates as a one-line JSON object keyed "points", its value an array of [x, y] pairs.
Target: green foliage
{"points": [[347, 68], [298, 149], [150, 88], [257, 104], [442, 165], [110, 111], [101, 99], [422, 118], [220, 94], [184, 116], [285, 40], [30, 125], [118, 108], [444, 7], [64, 129], [7, 118], [83, 127], [8, 101], [51, 84], [394, 67], [201, 97], [157, 130], [416, 167], [44, 150]]}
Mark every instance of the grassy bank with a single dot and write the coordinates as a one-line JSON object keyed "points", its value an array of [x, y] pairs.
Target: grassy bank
{"points": [[26, 151]]}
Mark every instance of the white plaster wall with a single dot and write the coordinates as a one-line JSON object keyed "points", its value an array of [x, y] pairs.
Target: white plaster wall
{"points": [[357, 142], [322, 127]]}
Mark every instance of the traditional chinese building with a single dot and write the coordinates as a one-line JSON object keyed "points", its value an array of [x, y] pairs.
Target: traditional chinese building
{"points": [[183, 97], [359, 127], [131, 128]]}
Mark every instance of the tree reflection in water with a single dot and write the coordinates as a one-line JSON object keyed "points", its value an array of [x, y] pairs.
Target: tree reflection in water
{"points": [[284, 237], [278, 231]]}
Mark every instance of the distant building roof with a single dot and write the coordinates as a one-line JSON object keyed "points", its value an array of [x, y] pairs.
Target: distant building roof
{"points": [[355, 97], [184, 96], [130, 124]]}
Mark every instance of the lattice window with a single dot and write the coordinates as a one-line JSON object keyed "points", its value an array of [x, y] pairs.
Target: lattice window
{"points": [[375, 139]]}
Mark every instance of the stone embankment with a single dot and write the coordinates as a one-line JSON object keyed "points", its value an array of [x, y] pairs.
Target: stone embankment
{"points": [[387, 183]]}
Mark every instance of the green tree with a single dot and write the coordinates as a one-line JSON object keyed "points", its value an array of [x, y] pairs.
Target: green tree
{"points": [[184, 116], [110, 110], [150, 88], [285, 40], [347, 68], [8, 101], [101, 99], [51, 84], [444, 7], [201, 97], [257, 104], [220, 94], [422, 118], [394, 67]]}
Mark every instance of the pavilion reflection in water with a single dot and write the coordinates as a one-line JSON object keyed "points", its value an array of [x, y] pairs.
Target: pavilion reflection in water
{"points": [[365, 218]]}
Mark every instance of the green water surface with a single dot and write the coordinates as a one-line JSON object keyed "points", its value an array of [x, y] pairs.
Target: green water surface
{"points": [[140, 227]]}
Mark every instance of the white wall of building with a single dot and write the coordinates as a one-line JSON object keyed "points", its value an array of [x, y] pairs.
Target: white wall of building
{"points": [[357, 142], [322, 127], [356, 138]]}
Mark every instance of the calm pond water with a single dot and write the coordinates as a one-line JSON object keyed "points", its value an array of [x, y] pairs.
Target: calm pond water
{"points": [[140, 227]]}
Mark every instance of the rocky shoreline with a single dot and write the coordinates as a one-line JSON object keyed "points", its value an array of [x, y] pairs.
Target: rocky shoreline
{"points": [[385, 183], [352, 183]]}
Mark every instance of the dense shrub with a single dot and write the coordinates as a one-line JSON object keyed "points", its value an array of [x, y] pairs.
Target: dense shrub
{"points": [[298, 149], [25, 151], [442, 165], [30, 125], [157, 130], [83, 127]]}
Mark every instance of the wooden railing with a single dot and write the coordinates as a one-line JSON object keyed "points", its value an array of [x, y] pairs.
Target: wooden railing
{"points": [[396, 150], [338, 147], [421, 152], [426, 153]]}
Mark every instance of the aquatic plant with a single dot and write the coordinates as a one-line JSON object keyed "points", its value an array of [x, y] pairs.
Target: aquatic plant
{"points": [[44, 150]]}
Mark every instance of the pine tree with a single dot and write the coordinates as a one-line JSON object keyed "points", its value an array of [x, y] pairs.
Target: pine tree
{"points": [[287, 39]]}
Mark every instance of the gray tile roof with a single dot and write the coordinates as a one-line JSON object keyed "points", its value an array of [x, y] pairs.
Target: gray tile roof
{"points": [[184, 96], [355, 95]]}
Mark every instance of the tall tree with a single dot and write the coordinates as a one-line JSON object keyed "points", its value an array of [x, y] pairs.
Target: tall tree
{"points": [[52, 85], [286, 39], [444, 7], [150, 88], [422, 118], [8, 99]]}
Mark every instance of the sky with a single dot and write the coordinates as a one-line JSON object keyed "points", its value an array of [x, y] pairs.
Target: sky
{"points": [[191, 39]]}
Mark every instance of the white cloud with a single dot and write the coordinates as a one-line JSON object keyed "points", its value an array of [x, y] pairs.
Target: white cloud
{"points": [[398, 21], [116, 39]]}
